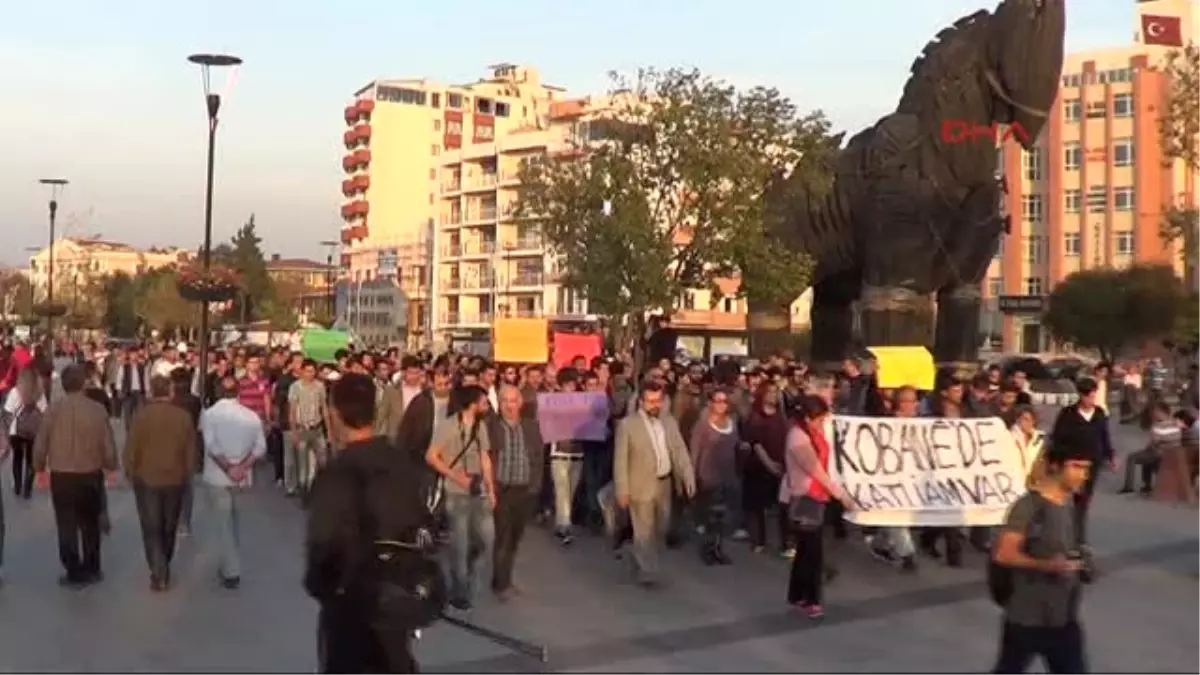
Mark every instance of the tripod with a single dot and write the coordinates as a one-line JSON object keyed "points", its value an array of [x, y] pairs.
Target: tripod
{"points": [[517, 645]]}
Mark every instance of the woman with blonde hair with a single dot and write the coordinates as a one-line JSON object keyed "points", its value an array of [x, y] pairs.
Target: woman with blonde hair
{"points": [[23, 410]]}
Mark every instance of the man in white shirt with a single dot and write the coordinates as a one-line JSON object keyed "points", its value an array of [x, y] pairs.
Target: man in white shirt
{"points": [[167, 362], [233, 442]]}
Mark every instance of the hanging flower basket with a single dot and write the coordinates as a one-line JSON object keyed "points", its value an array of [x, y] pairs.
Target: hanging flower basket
{"points": [[217, 284], [49, 309]]}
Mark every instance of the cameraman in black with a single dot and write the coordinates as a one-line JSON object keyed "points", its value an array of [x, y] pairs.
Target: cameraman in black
{"points": [[368, 496]]}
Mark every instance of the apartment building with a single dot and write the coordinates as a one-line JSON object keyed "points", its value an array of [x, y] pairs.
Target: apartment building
{"points": [[308, 284], [1095, 189], [451, 158]]}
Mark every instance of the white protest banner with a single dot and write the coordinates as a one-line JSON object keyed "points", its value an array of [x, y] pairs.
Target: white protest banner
{"points": [[927, 471]]}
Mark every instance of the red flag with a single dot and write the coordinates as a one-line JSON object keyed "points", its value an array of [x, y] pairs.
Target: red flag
{"points": [[1162, 30]]}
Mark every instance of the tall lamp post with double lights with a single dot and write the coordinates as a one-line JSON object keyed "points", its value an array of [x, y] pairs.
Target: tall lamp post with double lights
{"points": [[212, 101], [56, 187], [331, 245]]}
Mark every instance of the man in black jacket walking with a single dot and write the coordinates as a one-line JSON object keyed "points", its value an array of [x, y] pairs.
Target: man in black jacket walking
{"points": [[369, 492], [1082, 427]]}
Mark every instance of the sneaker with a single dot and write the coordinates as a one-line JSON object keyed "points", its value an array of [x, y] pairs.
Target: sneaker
{"points": [[564, 537], [740, 535], [757, 548], [816, 612], [1125, 491], [788, 553], [882, 554]]}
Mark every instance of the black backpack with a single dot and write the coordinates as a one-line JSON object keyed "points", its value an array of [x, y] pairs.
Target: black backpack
{"points": [[1000, 577], [402, 581]]}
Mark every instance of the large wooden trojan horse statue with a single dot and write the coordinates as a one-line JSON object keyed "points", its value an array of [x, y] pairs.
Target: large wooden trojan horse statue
{"points": [[914, 213]]}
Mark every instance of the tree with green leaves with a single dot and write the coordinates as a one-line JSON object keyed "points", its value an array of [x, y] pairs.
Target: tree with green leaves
{"points": [[121, 306], [1179, 133], [1110, 309], [663, 193], [162, 308], [244, 253]]}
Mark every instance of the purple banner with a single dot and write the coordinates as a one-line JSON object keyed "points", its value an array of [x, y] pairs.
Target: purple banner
{"points": [[579, 416]]}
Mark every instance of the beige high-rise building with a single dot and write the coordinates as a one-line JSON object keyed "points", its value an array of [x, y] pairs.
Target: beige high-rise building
{"points": [[433, 169]]}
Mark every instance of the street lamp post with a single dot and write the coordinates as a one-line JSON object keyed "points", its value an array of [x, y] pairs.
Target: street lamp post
{"points": [[56, 187], [330, 245], [212, 102]]}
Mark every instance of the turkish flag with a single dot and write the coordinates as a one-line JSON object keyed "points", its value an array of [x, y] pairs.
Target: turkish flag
{"points": [[1162, 30]]}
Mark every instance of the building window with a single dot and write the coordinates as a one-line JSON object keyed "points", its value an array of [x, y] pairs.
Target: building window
{"points": [[995, 287], [501, 109], [1096, 110], [483, 106], [729, 305], [437, 125], [1123, 152], [1071, 244], [431, 198], [688, 301], [1072, 156], [1123, 198], [1124, 243], [435, 150], [1033, 285], [1123, 105], [1033, 250], [433, 174], [1031, 162], [399, 95], [1097, 198], [435, 99], [1072, 200], [454, 100], [1072, 110], [1031, 208], [1071, 80]]}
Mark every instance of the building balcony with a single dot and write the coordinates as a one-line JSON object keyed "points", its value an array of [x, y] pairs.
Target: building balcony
{"points": [[365, 106], [520, 313], [510, 177], [350, 234], [481, 215], [452, 185], [466, 319], [350, 114], [524, 280], [478, 248], [362, 181], [348, 187], [362, 131], [350, 138], [359, 207], [362, 156], [485, 181], [524, 246], [450, 219]]}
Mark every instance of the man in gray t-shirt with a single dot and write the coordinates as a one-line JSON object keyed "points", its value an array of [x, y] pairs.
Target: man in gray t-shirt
{"points": [[1037, 545]]}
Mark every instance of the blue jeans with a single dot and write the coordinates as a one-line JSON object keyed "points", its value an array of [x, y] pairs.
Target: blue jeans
{"points": [[472, 537]]}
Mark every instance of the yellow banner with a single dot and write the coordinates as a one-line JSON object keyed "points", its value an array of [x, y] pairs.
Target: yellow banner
{"points": [[520, 341], [901, 366]]}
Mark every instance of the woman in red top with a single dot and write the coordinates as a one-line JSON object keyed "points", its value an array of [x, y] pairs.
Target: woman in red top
{"points": [[807, 489]]}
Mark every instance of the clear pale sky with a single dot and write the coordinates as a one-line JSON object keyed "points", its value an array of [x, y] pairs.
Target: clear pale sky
{"points": [[100, 92]]}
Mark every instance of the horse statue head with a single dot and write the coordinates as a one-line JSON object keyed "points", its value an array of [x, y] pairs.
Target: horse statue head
{"points": [[1023, 61]]}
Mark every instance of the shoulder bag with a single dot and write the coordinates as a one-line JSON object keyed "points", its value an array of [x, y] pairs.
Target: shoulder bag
{"points": [[437, 492]]}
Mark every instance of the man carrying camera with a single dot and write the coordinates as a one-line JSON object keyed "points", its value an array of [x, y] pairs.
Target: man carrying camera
{"points": [[460, 454], [1038, 553], [370, 562]]}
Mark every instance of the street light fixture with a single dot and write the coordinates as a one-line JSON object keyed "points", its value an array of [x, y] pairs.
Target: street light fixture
{"points": [[331, 245], [212, 101], [56, 187]]}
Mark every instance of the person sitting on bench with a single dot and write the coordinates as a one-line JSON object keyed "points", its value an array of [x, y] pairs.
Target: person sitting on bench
{"points": [[1166, 434]]}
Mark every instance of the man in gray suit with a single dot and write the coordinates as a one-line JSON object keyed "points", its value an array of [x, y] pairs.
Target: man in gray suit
{"points": [[650, 452]]}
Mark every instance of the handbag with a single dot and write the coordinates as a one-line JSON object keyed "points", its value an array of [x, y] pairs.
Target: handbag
{"points": [[437, 492], [28, 422], [806, 513]]}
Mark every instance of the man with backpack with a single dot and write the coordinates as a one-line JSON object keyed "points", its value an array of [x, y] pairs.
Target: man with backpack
{"points": [[370, 561], [1035, 569]]}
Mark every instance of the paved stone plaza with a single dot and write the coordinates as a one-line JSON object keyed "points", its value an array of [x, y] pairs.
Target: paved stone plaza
{"points": [[1140, 617]]}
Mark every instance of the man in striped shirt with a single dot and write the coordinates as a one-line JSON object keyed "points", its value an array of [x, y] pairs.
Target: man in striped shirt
{"points": [[254, 390]]}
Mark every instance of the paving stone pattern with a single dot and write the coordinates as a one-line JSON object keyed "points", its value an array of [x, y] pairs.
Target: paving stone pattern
{"points": [[1140, 617]]}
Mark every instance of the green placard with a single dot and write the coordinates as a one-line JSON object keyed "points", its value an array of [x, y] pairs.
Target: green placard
{"points": [[321, 345]]}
